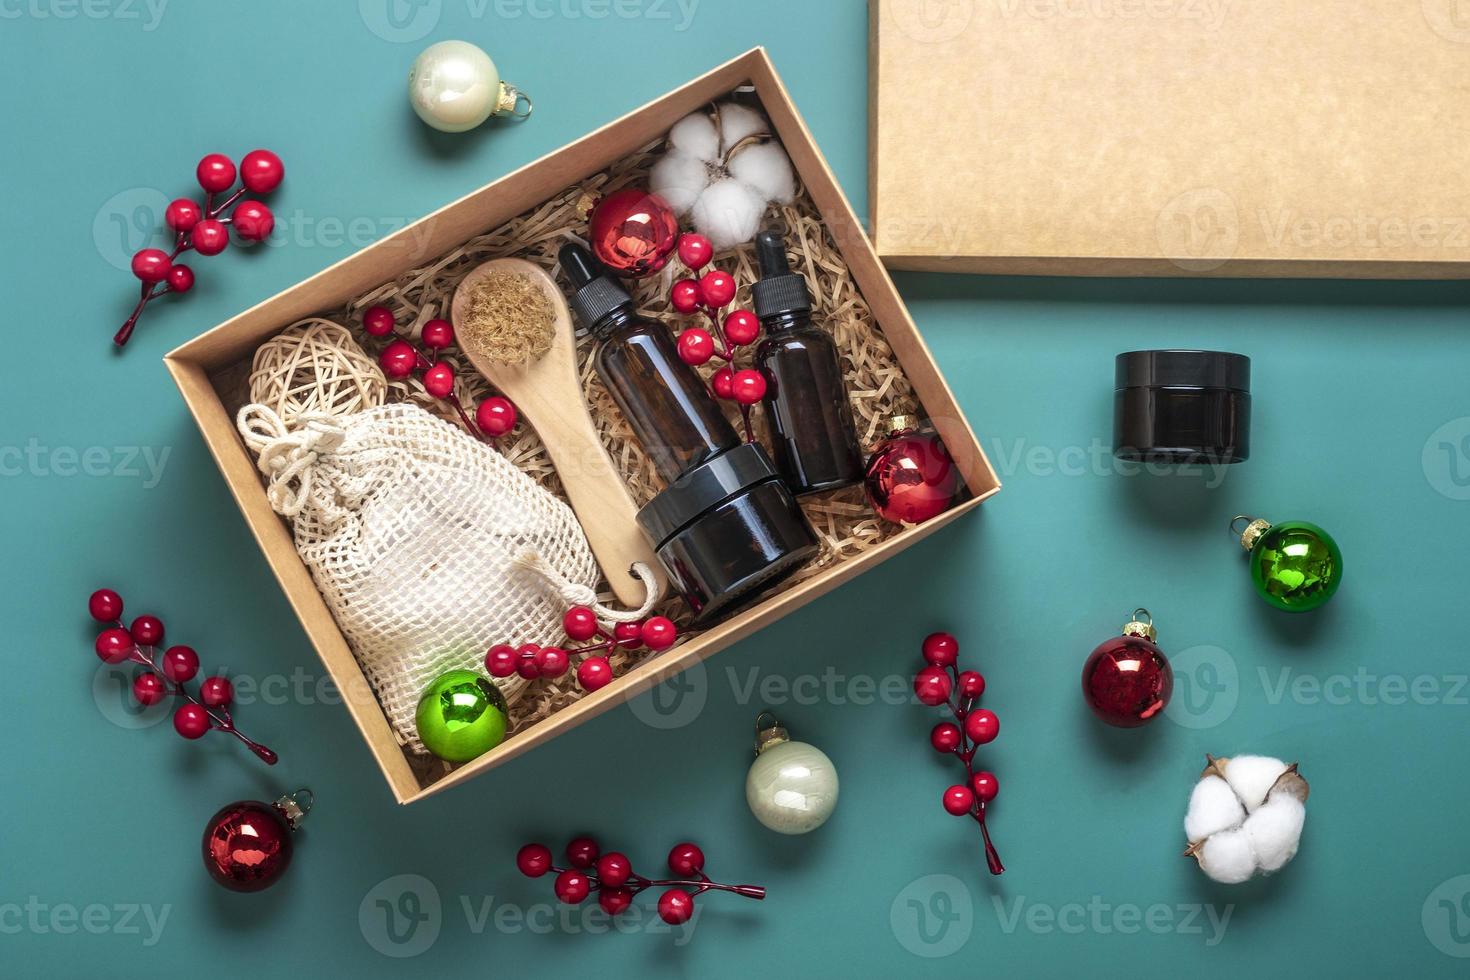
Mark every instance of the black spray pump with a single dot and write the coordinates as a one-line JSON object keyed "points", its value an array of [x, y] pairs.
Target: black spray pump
{"points": [[726, 527], [814, 440]]}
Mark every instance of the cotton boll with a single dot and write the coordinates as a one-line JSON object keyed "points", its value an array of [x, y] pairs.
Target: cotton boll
{"points": [[695, 134], [738, 122], [679, 178], [1252, 776], [765, 167], [1213, 807], [1275, 829], [728, 213]]}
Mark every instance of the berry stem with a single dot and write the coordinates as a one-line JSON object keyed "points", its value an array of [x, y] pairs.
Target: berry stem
{"points": [[965, 752], [637, 883]]}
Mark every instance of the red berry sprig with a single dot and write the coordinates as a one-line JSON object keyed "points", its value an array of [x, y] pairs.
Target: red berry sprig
{"points": [[531, 661], [401, 357], [612, 877], [711, 293], [205, 228], [942, 682], [167, 673]]}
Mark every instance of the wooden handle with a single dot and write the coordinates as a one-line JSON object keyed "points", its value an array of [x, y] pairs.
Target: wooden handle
{"points": [[596, 492]]}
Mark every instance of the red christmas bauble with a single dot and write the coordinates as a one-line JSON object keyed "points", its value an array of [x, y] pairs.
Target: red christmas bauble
{"points": [[911, 477], [633, 232], [247, 845], [1127, 680]]}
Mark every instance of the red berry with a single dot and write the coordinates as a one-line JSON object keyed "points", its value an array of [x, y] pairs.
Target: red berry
{"points": [[191, 720], [182, 214], [181, 278], [982, 726], [614, 900], [945, 737], [696, 346], [723, 383], [932, 685], [741, 327], [526, 667], [580, 623], [151, 264], [582, 852], [261, 171], [210, 237], [716, 288], [216, 692], [180, 663], [147, 631], [748, 386], [439, 379], [253, 221], [437, 334], [551, 662], [149, 689], [958, 800], [684, 295], [496, 416], [941, 649], [675, 906], [216, 172], [377, 321], [534, 860], [572, 887], [659, 633], [985, 786], [105, 605], [686, 859], [614, 868], [628, 635], [695, 250], [398, 359], [114, 645], [501, 660], [972, 683], [594, 673]]}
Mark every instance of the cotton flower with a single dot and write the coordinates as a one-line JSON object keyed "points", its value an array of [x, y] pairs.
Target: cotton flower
{"points": [[723, 169], [1245, 816]]}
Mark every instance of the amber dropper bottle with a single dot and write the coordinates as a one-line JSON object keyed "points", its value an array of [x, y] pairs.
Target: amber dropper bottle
{"points": [[814, 440]]}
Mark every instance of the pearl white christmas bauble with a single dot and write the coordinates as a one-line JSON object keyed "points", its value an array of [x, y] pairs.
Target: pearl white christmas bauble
{"points": [[791, 787], [454, 86]]}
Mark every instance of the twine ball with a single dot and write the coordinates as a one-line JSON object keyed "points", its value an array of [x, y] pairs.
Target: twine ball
{"points": [[315, 368]]}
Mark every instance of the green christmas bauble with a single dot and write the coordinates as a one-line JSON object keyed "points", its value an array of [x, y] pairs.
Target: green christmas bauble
{"points": [[461, 715], [1296, 566]]}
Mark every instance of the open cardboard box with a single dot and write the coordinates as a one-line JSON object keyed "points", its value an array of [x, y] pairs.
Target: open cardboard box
{"points": [[201, 366]]}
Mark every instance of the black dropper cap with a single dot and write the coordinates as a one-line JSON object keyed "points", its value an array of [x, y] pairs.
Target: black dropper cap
{"points": [[595, 294], [779, 290]]}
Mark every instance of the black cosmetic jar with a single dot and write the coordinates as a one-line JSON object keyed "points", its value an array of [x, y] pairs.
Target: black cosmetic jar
{"points": [[726, 530], [1182, 406]]}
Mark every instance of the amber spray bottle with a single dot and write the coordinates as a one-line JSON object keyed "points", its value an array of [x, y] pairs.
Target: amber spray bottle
{"points": [[814, 440]]}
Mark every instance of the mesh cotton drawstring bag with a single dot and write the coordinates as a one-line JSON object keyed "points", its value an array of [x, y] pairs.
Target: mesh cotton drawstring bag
{"points": [[426, 544]]}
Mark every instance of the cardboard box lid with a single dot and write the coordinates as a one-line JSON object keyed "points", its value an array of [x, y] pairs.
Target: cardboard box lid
{"points": [[1172, 137]]}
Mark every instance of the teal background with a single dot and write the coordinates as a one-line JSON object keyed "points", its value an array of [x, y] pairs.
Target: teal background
{"points": [[103, 116]]}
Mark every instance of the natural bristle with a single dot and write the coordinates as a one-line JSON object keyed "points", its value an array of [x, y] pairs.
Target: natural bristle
{"points": [[507, 318]]}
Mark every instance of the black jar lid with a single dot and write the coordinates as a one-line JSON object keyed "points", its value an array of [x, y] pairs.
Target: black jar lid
{"points": [[1182, 369], [705, 486]]}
